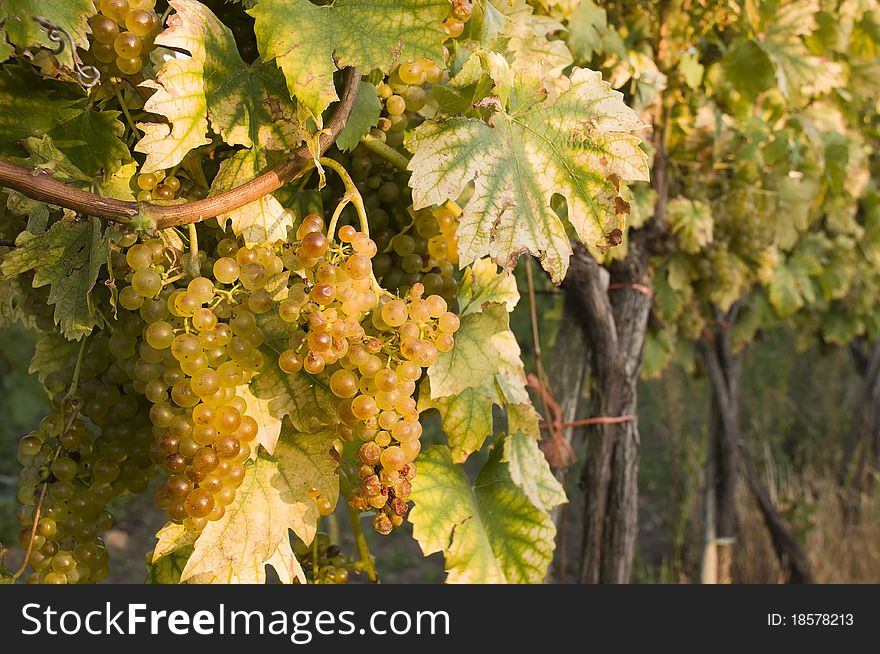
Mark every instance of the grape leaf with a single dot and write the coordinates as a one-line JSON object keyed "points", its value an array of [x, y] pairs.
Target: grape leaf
{"points": [[91, 139], [784, 292], [171, 538], [485, 367], [657, 353], [68, 258], [268, 425], [247, 105], [470, 362], [167, 570], [70, 15], [262, 221], [489, 531], [466, 417], [691, 69], [93, 142], [52, 353], [309, 404], [579, 145], [310, 42], [364, 116], [537, 59], [530, 471], [691, 221], [748, 68], [273, 498], [587, 28], [481, 282]]}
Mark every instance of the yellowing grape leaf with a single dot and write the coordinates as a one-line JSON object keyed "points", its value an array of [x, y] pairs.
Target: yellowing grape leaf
{"points": [[273, 498], [262, 221], [67, 257], [481, 282], [246, 105], [24, 32], [579, 145], [310, 42], [268, 425], [691, 222], [484, 368], [171, 538], [489, 531]]}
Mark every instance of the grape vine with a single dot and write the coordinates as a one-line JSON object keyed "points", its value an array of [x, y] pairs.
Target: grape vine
{"points": [[254, 281]]}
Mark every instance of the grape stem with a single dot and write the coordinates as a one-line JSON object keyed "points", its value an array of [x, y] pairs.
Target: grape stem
{"points": [[38, 184], [315, 559], [385, 151], [363, 549], [351, 195], [194, 267], [30, 546], [354, 196], [124, 108]]}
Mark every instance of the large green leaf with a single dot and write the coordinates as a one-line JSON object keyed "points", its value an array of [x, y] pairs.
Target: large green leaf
{"points": [[90, 139], [489, 531], [748, 68], [473, 359], [273, 498], [68, 258], [579, 145], [466, 417], [310, 42]]}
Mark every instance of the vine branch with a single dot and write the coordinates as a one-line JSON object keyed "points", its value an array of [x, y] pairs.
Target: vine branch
{"points": [[38, 184]]}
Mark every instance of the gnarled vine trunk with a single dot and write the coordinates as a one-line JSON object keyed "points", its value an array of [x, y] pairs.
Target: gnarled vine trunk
{"points": [[615, 308], [729, 458], [568, 369]]}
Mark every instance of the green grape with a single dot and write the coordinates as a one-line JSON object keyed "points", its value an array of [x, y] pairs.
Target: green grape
{"points": [[139, 22], [104, 29], [146, 282], [411, 73], [395, 105], [128, 45], [116, 10], [105, 53]]}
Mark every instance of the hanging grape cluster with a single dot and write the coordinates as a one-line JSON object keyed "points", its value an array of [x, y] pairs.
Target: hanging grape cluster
{"points": [[93, 447], [163, 386], [123, 34]]}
